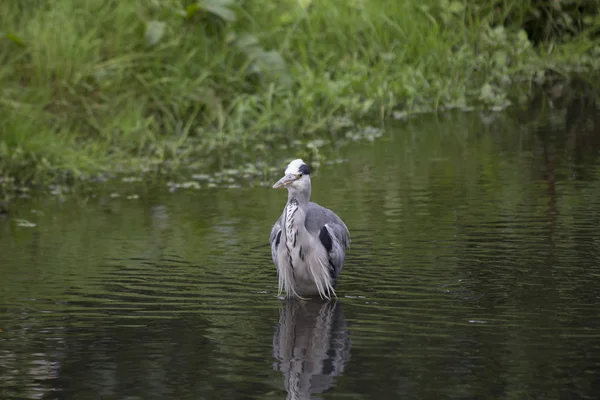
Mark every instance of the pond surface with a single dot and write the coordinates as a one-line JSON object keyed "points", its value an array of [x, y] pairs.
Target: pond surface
{"points": [[474, 273]]}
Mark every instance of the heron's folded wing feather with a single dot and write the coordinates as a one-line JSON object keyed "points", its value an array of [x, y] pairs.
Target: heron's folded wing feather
{"points": [[316, 218], [274, 239], [338, 238]]}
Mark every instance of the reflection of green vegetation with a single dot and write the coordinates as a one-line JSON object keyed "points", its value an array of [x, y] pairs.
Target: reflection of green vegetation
{"points": [[114, 85]]}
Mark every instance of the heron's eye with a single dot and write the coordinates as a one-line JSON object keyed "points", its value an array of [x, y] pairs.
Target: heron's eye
{"points": [[299, 175]]}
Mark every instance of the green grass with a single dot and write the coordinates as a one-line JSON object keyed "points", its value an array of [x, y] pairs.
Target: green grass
{"points": [[107, 85]]}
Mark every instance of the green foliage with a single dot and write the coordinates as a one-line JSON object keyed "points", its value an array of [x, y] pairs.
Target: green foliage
{"points": [[543, 20], [110, 86], [13, 38]]}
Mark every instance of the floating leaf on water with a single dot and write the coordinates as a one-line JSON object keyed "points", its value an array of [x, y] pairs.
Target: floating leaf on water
{"points": [[487, 92], [130, 179], [191, 184], [115, 195], [315, 143], [487, 119], [342, 122], [133, 197], [400, 114], [201, 177], [336, 161], [24, 223], [501, 107], [351, 135], [154, 32], [370, 133], [230, 171]]}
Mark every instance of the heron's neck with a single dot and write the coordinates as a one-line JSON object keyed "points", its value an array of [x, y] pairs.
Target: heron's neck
{"points": [[295, 213], [301, 197]]}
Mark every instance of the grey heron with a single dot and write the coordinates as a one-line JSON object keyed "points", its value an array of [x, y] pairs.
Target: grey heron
{"points": [[308, 242]]}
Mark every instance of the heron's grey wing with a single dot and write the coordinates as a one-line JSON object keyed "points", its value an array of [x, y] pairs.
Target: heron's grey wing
{"points": [[317, 216], [275, 238], [332, 232]]}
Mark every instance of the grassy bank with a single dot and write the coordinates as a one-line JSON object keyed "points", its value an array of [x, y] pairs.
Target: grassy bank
{"points": [[103, 86]]}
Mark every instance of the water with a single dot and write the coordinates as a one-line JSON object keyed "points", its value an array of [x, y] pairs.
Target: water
{"points": [[474, 273]]}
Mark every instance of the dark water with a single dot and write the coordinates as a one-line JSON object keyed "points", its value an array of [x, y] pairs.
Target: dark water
{"points": [[474, 273]]}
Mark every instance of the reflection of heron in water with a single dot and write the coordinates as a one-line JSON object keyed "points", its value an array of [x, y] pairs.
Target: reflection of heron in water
{"points": [[311, 346]]}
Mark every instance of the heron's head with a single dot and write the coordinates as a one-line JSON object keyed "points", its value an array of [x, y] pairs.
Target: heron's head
{"points": [[297, 176]]}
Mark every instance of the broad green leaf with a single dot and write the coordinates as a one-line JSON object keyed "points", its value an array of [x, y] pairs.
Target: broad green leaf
{"points": [[304, 3], [456, 7], [191, 11], [287, 17], [154, 32], [247, 40], [272, 64], [487, 92], [222, 12], [24, 223], [500, 57], [13, 38], [219, 8], [272, 61]]}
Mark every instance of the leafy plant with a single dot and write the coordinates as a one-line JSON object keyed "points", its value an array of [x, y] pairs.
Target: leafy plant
{"points": [[154, 86], [220, 8], [12, 38]]}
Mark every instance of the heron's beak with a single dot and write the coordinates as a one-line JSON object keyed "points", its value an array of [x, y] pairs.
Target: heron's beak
{"points": [[285, 181]]}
